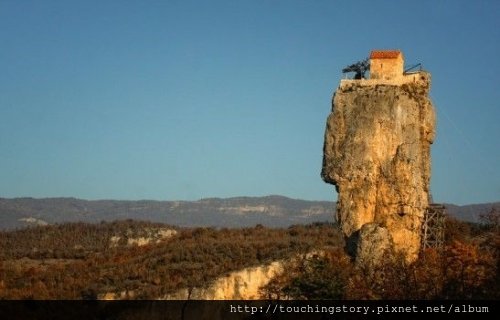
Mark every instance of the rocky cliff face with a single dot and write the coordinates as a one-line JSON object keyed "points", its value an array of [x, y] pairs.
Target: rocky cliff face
{"points": [[238, 285], [377, 154]]}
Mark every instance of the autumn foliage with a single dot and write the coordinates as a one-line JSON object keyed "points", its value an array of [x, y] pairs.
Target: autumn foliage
{"points": [[79, 261], [466, 268], [82, 261]]}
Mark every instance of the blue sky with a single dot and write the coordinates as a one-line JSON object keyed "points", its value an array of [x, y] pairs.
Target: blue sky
{"points": [[182, 100]]}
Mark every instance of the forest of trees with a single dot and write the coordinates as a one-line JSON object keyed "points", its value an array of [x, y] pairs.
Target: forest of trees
{"points": [[76, 261], [80, 261]]}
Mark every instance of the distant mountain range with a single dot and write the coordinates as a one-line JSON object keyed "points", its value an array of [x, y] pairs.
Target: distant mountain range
{"points": [[272, 211]]}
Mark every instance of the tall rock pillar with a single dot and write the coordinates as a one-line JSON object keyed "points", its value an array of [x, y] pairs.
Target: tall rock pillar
{"points": [[377, 154]]}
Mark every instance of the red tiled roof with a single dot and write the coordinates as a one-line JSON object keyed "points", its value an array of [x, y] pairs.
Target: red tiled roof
{"points": [[384, 54]]}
